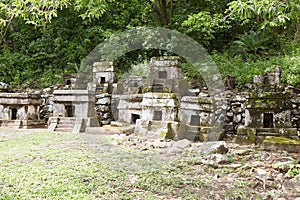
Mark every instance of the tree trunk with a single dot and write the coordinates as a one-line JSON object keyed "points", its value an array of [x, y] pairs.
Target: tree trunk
{"points": [[164, 20], [297, 34], [161, 10]]}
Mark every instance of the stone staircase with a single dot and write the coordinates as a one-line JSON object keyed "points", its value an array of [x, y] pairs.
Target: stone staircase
{"points": [[65, 124]]}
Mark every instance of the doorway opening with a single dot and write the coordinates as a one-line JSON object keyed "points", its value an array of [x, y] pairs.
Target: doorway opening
{"points": [[70, 111], [102, 80], [134, 117], [268, 120], [14, 112]]}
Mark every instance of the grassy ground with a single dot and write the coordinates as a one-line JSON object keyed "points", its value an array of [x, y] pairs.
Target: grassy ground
{"points": [[47, 165]]}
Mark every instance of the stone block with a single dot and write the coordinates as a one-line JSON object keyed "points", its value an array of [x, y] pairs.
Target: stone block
{"points": [[157, 129], [246, 136], [280, 143], [219, 147], [103, 101]]}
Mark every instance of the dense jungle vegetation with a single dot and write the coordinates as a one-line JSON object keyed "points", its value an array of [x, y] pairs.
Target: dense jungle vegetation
{"points": [[41, 39]]}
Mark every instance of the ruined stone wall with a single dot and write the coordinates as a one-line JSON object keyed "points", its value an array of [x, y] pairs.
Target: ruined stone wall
{"points": [[295, 112], [235, 113], [103, 108]]}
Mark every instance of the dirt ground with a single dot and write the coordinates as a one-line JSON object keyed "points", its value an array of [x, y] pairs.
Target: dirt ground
{"points": [[240, 172]]}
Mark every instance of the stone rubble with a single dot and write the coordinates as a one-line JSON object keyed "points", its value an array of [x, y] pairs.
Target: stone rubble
{"points": [[271, 175]]}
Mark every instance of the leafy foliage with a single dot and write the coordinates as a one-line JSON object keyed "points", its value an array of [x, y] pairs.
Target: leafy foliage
{"points": [[40, 40], [267, 13], [38, 12], [203, 25], [251, 42]]}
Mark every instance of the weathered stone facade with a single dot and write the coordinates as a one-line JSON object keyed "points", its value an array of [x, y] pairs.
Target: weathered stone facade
{"points": [[159, 116], [267, 111], [73, 110], [196, 116], [104, 72], [164, 106], [161, 105], [20, 110]]}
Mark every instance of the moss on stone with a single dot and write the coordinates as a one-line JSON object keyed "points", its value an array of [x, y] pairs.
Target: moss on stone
{"points": [[251, 134], [280, 140], [202, 137], [242, 139], [246, 136], [163, 134], [241, 131]]}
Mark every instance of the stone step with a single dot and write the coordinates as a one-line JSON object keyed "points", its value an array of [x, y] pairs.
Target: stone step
{"points": [[156, 123], [118, 124], [64, 130], [193, 128], [267, 134], [67, 120], [270, 130], [65, 125], [12, 123], [280, 143]]}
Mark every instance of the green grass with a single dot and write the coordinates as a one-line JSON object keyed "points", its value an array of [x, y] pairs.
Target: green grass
{"points": [[47, 165]]}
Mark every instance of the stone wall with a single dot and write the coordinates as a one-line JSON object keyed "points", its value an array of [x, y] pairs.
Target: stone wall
{"points": [[295, 112], [235, 112], [103, 108]]}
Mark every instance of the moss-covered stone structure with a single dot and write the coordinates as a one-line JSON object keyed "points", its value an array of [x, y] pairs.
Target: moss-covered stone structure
{"points": [[164, 106], [267, 112]]}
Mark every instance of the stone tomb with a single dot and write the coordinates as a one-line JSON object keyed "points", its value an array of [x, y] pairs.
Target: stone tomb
{"points": [[267, 112], [104, 72], [104, 76], [155, 106], [266, 115], [196, 116], [20, 110], [68, 80], [73, 111], [159, 116], [129, 92], [165, 75], [130, 108]]}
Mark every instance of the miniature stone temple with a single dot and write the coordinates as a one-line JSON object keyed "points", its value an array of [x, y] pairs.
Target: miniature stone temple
{"points": [[20, 110], [267, 111], [129, 108], [73, 110], [159, 116], [165, 74], [68, 79], [150, 104], [160, 107], [104, 72], [197, 117], [84, 104]]}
